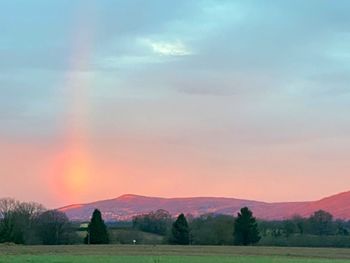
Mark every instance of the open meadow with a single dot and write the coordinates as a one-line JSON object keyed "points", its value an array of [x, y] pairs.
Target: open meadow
{"points": [[169, 254]]}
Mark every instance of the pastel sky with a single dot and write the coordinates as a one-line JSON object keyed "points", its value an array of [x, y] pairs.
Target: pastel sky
{"points": [[246, 99]]}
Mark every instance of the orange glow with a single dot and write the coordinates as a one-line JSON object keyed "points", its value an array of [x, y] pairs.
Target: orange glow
{"points": [[76, 173], [71, 173]]}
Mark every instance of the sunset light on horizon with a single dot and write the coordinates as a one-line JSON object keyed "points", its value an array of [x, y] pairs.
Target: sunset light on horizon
{"points": [[242, 99]]}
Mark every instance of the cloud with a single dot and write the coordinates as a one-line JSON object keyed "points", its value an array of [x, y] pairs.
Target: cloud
{"points": [[167, 48], [140, 52]]}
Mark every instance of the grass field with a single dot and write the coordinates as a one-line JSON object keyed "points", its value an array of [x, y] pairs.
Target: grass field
{"points": [[170, 254]]}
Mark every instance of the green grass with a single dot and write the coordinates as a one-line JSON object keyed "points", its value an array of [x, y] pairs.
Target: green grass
{"points": [[170, 254], [160, 259], [127, 235]]}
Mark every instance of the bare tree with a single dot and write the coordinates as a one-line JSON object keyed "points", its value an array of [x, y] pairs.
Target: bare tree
{"points": [[7, 205], [16, 220], [54, 228]]}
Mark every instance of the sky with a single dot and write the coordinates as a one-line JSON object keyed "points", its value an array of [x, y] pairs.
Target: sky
{"points": [[245, 99]]}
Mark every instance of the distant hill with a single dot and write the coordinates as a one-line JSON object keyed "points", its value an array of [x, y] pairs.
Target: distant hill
{"points": [[127, 206]]}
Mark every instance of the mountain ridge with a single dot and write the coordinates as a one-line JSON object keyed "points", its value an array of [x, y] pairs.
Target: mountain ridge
{"points": [[126, 206]]}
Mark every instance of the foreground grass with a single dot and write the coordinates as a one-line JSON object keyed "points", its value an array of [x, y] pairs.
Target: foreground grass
{"points": [[170, 254], [161, 259]]}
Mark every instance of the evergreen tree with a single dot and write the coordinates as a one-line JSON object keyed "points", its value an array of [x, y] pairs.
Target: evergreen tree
{"points": [[245, 228], [180, 231], [97, 230]]}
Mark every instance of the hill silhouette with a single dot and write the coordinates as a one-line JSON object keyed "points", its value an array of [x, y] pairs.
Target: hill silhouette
{"points": [[127, 206]]}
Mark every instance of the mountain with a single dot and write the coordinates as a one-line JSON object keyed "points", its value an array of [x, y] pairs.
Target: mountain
{"points": [[127, 206]]}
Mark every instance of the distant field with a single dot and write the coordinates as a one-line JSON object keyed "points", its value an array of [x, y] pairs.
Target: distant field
{"points": [[127, 235], [170, 254]]}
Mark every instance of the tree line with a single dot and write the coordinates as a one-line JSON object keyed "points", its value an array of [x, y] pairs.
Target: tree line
{"points": [[31, 223], [319, 229], [205, 230], [320, 223]]}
